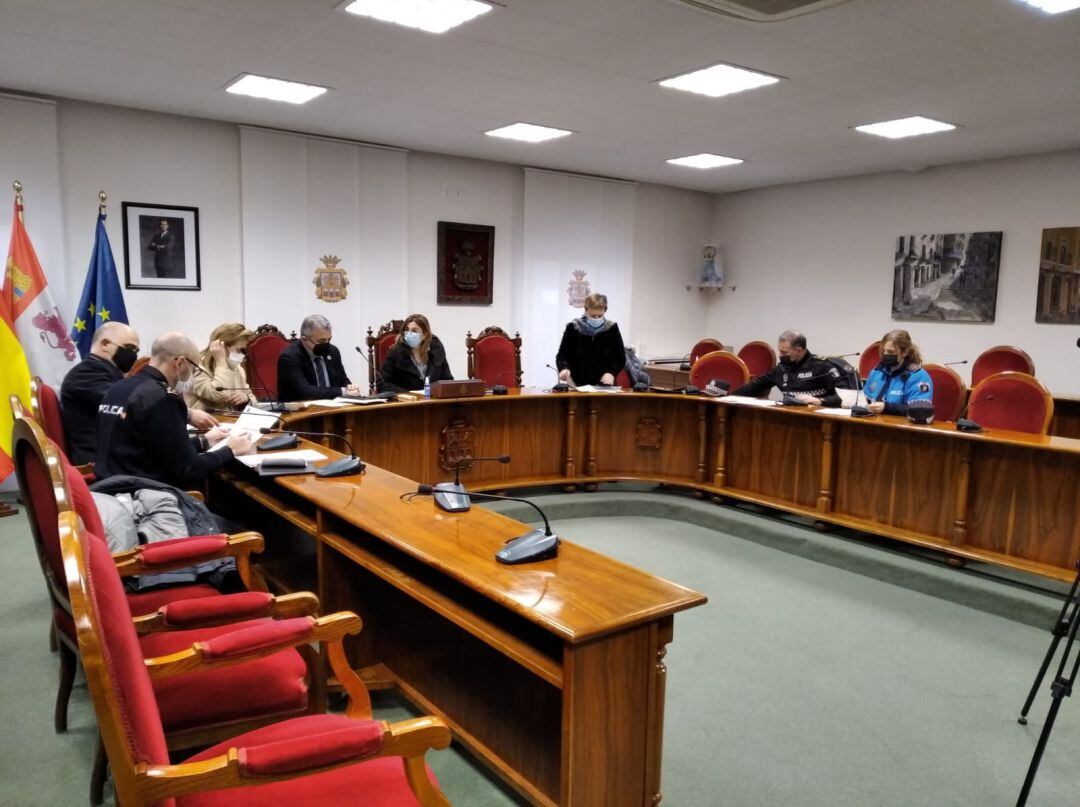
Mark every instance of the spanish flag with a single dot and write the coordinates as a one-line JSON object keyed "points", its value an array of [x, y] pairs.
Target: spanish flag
{"points": [[14, 380]]}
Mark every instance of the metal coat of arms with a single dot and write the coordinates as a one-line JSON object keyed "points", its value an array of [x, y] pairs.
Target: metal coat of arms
{"points": [[331, 280], [578, 289]]}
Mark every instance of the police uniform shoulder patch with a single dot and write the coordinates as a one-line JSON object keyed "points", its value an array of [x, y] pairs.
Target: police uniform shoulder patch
{"points": [[924, 387]]}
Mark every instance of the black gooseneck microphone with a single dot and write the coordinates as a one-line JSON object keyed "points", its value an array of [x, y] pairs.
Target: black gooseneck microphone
{"points": [[346, 466], [452, 496], [1078, 342], [965, 425], [373, 393], [558, 386], [860, 411], [271, 404], [951, 363], [533, 545]]}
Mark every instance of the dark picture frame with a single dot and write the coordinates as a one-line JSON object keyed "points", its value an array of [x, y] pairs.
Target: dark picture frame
{"points": [[466, 264], [161, 247]]}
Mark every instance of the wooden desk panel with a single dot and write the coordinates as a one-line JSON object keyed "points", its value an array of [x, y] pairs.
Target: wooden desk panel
{"points": [[775, 455], [1066, 420]]}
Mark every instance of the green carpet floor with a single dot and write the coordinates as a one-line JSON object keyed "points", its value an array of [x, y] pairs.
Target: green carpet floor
{"points": [[824, 670]]}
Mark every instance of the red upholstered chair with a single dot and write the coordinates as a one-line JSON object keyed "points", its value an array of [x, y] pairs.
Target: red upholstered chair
{"points": [[869, 358], [950, 393], [719, 365], [1012, 400], [140, 362], [45, 408], [379, 344], [999, 360], [311, 760], [703, 347], [759, 357], [494, 357], [623, 379], [261, 362]]}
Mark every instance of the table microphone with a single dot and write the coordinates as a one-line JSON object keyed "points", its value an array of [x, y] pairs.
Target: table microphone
{"points": [[559, 386], [346, 466], [385, 396], [452, 496], [965, 425], [533, 545], [951, 363], [860, 411], [499, 389]]}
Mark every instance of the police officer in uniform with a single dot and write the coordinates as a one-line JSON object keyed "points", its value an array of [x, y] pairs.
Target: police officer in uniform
{"points": [[898, 381], [799, 374], [142, 422]]}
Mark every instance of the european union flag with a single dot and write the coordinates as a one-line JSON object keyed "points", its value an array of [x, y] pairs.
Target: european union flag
{"points": [[101, 299]]}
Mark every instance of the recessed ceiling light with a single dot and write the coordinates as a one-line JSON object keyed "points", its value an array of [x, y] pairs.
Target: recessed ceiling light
{"points": [[274, 89], [718, 80], [705, 160], [905, 127], [433, 16], [529, 132], [1054, 6]]}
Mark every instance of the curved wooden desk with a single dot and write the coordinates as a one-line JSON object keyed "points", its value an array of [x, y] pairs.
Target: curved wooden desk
{"points": [[551, 672], [1003, 497]]}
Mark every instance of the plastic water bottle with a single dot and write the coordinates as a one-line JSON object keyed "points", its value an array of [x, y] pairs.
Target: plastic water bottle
{"points": [[427, 387]]}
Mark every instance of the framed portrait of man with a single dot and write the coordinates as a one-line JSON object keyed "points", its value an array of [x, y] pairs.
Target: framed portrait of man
{"points": [[161, 247]]}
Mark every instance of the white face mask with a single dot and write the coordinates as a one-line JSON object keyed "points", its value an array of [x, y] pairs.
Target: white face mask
{"points": [[183, 386], [236, 357]]}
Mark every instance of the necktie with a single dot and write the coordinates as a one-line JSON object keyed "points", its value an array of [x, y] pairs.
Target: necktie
{"points": [[320, 366]]}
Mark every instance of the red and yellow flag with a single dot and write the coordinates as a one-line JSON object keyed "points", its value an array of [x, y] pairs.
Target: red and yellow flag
{"points": [[14, 380]]}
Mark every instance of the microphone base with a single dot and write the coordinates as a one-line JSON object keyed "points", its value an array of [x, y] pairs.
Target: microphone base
{"points": [[346, 466], [452, 497], [533, 546], [499, 389], [861, 412], [965, 425], [561, 387], [279, 442]]}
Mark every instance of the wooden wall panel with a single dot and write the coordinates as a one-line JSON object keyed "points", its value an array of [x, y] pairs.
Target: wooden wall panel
{"points": [[774, 454], [658, 438]]}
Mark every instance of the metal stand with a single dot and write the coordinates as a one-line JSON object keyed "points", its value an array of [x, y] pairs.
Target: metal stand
{"points": [[1066, 626]]}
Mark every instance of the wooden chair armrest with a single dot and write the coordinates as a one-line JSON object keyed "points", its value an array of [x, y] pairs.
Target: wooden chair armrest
{"points": [[410, 739], [239, 545], [196, 494], [286, 606], [330, 628]]}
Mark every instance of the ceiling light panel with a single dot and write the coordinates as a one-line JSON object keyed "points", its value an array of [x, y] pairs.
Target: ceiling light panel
{"points": [[719, 80], [274, 89], [703, 161], [528, 132], [1054, 6], [905, 127], [433, 16]]}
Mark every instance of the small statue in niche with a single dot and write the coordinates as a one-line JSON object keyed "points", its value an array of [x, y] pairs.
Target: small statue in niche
{"points": [[712, 271]]}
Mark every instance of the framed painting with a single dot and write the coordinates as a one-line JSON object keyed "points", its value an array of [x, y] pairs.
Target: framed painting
{"points": [[465, 263], [161, 247], [950, 277]]}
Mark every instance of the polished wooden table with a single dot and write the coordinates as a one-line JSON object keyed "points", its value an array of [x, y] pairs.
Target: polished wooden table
{"points": [[551, 672], [1003, 497]]}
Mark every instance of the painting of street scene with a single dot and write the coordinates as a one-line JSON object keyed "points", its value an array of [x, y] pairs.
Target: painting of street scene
{"points": [[949, 277]]}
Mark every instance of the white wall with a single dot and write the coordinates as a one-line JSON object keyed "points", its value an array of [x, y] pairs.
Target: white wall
{"points": [[138, 156], [818, 257]]}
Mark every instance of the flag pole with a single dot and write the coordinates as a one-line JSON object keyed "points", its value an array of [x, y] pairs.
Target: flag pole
{"points": [[17, 187], [102, 202]]}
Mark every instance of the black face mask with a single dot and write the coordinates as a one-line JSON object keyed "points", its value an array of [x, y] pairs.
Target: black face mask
{"points": [[124, 358], [322, 349], [889, 361], [786, 361]]}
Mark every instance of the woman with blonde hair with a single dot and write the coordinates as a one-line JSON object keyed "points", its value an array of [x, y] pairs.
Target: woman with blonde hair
{"points": [[223, 358], [899, 379], [417, 356], [591, 350]]}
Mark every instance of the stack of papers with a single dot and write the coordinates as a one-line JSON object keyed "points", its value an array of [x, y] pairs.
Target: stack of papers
{"points": [[598, 388], [251, 420], [306, 454], [830, 410], [748, 401], [330, 403], [358, 401]]}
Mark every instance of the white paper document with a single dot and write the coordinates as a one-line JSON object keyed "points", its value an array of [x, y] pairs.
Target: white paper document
{"points": [[329, 403], [832, 410], [748, 401], [357, 401], [306, 454]]}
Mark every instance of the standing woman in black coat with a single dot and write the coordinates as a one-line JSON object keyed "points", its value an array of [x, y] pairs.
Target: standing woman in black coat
{"points": [[417, 354], [591, 351]]}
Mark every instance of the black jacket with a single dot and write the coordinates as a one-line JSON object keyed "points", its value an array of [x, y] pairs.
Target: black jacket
{"points": [[588, 354], [142, 431], [296, 374], [399, 374], [813, 376], [84, 386]]}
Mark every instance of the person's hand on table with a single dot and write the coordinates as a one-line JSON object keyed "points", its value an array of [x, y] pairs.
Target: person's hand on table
{"points": [[241, 443], [877, 407], [564, 376], [607, 379], [215, 435], [352, 391], [238, 398], [201, 420], [806, 398]]}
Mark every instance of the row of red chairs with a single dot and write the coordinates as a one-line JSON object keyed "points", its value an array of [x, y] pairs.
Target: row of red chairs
{"points": [[187, 667]]}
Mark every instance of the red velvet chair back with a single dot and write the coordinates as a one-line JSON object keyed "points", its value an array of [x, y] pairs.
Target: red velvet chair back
{"points": [[720, 365], [379, 344], [116, 674], [999, 360], [623, 379], [869, 358], [1012, 400], [494, 357], [140, 362], [45, 407], [703, 347], [950, 393], [759, 357], [262, 358]]}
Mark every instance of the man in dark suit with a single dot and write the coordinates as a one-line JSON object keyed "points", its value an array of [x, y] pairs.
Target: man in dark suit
{"points": [[161, 245], [311, 367]]}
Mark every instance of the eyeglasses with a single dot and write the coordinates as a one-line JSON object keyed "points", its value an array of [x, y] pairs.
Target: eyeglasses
{"points": [[197, 368]]}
